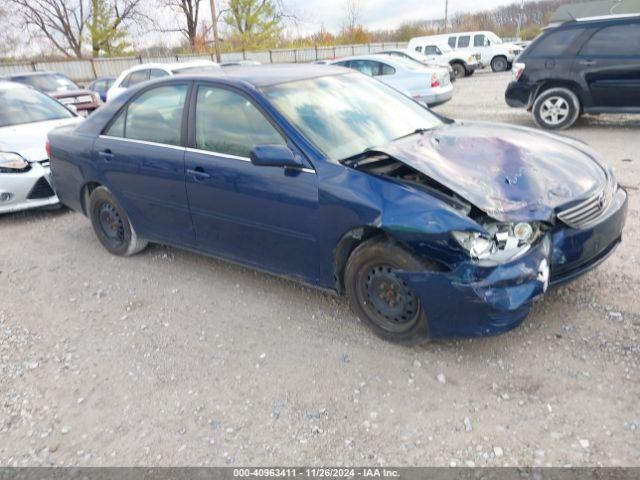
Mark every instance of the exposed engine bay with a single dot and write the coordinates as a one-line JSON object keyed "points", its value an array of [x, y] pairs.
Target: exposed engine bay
{"points": [[504, 241]]}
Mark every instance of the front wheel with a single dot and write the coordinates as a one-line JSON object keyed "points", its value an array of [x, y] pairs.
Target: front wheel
{"points": [[380, 297], [499, 64], [112, 225], [458, 70], [556, 109]]}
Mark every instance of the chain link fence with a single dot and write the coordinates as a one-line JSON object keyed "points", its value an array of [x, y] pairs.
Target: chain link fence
{"points": [[90, 69]]}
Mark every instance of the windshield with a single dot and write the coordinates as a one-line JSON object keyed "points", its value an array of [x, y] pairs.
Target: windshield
{"points": [[495, 40], [445, 48], [54, 82], [25, 105], [343, 115]]}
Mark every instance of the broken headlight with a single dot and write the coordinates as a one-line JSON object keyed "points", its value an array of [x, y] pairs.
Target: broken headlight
{"points": [[502, 242], [12, 163]]}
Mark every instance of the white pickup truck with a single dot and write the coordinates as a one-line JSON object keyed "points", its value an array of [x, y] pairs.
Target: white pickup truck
{"points": [[463, 62], [489, 46]]}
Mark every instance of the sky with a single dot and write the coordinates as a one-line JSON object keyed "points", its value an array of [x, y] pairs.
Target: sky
{"points": [[380, 14]]}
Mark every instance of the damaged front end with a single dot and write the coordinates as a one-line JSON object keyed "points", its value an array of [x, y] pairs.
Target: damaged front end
{"points": [[489, 271], [475, 300]]}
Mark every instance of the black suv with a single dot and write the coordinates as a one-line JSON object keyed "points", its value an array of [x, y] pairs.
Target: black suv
{"points": [[589, 65]]}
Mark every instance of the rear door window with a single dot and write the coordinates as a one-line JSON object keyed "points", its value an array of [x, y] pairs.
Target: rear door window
{"points": [[157, 73], [555, 43], [367, 67], [136, 77], [463, 41], [617, 41], [386, 69], [155, 116]]}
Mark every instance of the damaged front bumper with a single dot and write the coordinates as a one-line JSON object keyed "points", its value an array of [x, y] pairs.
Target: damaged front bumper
{"points": [[473, 300]]}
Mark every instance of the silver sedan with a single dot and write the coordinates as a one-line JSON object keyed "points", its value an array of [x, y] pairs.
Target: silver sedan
{"points": [[26, 116]]}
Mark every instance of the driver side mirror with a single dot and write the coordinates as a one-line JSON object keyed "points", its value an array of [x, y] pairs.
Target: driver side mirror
{"points": [[274, 156]]}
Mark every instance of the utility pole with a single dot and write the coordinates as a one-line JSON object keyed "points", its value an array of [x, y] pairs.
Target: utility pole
{"points": [[446, 14], [214, 27]]}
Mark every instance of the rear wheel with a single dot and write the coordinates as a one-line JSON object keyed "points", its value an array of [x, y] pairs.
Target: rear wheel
{"points": [[458, 70], [112, 225], [556, 109], [380, 297], [499, 64]]}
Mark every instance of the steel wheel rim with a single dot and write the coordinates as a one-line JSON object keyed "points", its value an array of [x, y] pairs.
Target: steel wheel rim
{"points": [[500, 65], [554, 110], [388, 300], [111, 223]]}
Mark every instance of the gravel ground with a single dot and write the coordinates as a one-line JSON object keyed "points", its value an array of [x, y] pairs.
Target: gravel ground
{"points": [[170, 358]]}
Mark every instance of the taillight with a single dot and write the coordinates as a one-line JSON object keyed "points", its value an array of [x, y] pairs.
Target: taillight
{"points": [[435, 81], [517, 70], [47, 147]]}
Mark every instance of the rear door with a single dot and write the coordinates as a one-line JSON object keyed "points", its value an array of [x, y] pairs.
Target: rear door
{"points": [[141, 158], [609, 65]]}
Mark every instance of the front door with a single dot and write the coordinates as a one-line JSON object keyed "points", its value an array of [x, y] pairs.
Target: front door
{"points": [[263, 216], [142, 162], [609, 64]]}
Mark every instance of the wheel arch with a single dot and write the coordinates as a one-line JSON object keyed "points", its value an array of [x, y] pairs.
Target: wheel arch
{"points": [[85, 194], [549, 84], [345, 247], [357, 236]]}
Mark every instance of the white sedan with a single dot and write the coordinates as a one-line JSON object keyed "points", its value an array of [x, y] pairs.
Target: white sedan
{"points": [[428, 85], [149, 71], [26, 116]]}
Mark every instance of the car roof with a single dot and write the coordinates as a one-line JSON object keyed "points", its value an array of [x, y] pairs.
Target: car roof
{"points": [[9, 85], [34, 74], [171, 66], [265, 75]]}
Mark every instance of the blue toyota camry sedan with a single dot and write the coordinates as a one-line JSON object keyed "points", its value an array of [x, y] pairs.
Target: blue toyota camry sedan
{"points": [[432, 227]]}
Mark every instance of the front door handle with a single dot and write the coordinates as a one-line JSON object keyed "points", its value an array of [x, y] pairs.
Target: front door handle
{"points": [[198, 173], [587, 63], [106, 154]]}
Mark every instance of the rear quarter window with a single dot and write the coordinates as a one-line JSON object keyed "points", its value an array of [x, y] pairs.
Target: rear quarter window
{"points": [[616, 41], [555, 43]]}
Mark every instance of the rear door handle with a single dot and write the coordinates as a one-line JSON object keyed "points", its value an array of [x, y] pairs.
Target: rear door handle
{"points": [[106, 154], [587, 63], [198, 173]]}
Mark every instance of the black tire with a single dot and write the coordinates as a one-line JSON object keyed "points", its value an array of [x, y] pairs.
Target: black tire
{"points": [[499, 64], [112, 225], [458, 70], [394, 313], [470, 72], [556, 108]]}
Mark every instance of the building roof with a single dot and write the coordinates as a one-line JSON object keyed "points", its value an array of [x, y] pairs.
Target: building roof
{"points": [[595, 9]]}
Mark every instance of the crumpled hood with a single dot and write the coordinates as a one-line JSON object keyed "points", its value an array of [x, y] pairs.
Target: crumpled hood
{"points": [[29, 139], [510, 173]]}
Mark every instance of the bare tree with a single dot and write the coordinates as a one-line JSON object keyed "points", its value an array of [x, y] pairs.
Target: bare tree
{"points": [[352, 10], [61, 22], [189, 12], [8, 36]]}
